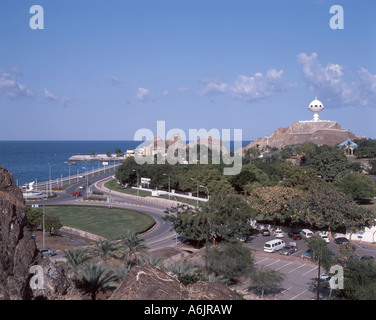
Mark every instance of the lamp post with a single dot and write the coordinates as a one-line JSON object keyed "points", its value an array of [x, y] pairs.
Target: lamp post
{"points": [[69, 164], [87, 182], [50, 188], [169, 185], [43, 229], [197, 190], [137, 181], [207, 230]]}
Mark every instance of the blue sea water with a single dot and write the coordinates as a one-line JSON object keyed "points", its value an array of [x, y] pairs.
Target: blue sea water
{"points": [[29, 160]]}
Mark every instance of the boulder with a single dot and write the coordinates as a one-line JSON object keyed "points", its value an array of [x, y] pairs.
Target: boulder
{"points": [[18, 252]]}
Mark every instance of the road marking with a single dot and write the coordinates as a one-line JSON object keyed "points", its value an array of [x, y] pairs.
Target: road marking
{"points": [[273, 263], [309, 271], [298, 295], [284, 266], [261, 260], [297, 268], [283, 291]]}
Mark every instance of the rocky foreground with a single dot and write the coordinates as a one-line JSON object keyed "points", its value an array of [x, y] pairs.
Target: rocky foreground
{"points": [[18, 252]]}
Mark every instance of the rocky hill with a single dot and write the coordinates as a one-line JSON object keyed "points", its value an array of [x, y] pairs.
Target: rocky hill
{"points": [[18, 252], [320, 132], [150, 283]]}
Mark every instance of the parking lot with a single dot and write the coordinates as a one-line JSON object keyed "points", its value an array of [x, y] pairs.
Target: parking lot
{"points": [[299, 273]]}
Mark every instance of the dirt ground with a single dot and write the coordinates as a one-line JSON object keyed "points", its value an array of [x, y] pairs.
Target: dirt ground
{"points": [[61, 242]]}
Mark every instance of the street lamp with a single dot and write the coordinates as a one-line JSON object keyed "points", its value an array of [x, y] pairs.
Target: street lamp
{"points": [[87, 182], [207, 190], [169, 185], [50, 189], [207, 230], [69, 164], [137, 181], [197, 190]]}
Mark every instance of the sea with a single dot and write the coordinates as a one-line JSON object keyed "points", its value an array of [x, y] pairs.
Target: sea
{"points": [[34, 160]]}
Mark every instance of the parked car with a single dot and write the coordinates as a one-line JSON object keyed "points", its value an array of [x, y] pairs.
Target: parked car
{"points": [[265, 232], [288, 250], [325, 237], [324, 281], [274, 245], [47, 251], [278, 234], [307, 254], [306, 233], [341, 240], [295, 235]]}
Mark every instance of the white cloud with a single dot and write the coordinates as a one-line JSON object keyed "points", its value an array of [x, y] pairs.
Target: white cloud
{"points": [[52, 97], [11, 88], [114, 80], [328, 83], [165, 93], [49, 95], [185, 89], [144, 95], [252, 88]]}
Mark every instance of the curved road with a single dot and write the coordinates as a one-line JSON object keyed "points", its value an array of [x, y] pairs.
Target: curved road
{"points": [[157, 237]]}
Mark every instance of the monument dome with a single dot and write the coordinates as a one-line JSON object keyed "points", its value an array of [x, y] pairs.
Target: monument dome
{"points": [[316, 106]]}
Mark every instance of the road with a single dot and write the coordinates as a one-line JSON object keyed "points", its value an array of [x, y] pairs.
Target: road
{"points": [[298, 284], [159, 236]]}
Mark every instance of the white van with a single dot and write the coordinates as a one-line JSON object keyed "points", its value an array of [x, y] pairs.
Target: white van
{"points": [[274, 245], [306, 233]]}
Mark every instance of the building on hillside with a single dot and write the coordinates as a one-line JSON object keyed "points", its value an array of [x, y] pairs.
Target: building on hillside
{"points": [[349, 146]]}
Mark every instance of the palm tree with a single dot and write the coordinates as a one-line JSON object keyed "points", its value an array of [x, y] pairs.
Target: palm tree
{"points": [[107, 249], [133, 244], [96, 277], [186, 272], [149, 259], [123, 270], [75, 258]]}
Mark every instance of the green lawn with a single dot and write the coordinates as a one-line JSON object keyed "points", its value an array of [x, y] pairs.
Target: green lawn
{"points": [[102, 221]]}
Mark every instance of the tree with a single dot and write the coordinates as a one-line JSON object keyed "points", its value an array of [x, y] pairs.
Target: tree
{"points": [[326, 207], [321, 255], [107, 249], [187, 272], [187, 221], [117, 151], [52, 223], [330, 163], [360, 281], [278, 204], [231, 261], [35, 220], [357, 185], [266, 280], [96, 277], [108, 153], [75, 258], [133, 244], [298, 177], [222, 217]]}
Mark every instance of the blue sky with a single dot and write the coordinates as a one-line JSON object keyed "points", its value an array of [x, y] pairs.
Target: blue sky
{"points": [[101, 70]]}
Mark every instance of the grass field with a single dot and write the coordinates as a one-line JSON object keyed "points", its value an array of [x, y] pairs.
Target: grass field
{"points": [[102, 221]]}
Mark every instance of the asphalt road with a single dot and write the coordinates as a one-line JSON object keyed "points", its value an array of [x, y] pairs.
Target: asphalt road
{"points": [[299, 273], [159, 236]]}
